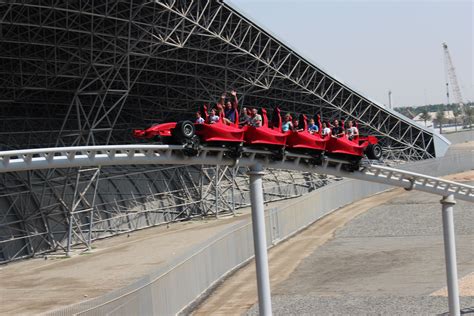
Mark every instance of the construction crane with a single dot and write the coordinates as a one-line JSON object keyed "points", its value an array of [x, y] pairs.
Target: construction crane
{"points": [[452, 78]]}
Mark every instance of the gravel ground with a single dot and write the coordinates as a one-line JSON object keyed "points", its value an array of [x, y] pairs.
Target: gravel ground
{"points": [[409, 215], [362, 305]]}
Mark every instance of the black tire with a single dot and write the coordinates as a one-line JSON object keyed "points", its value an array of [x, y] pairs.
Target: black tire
{"points": [[183, 131], [236, 151], [191, 146], [279, 154], [316, 160], [374, 151], [196, 142], [351, 167]]}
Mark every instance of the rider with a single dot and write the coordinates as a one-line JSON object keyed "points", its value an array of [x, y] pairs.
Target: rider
{"points": [[337, 131], [228, 107], [213, 117], [296, 124], [351, 131], [287, 125], [199, 119], [312, 128], [256, 120], [325, 130], [246, 116]]}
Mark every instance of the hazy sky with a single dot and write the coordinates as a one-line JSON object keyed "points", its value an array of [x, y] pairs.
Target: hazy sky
{"points": [[375, 46]]}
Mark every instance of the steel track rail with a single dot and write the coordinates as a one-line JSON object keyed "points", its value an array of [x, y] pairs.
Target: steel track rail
{"points": [[72, 157]]}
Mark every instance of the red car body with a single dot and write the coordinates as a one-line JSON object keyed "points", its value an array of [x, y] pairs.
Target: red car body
{"points": [[155, 131], [266, 135], [216, 132], [219, 131], [304, 139], [343, 146]]}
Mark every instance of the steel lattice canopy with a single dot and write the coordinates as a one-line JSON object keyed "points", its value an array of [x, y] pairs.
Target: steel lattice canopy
{"points": [[82, 72]]}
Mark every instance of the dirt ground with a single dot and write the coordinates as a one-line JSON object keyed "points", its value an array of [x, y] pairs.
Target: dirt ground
{"points": [[466, 287], [461, 177]]}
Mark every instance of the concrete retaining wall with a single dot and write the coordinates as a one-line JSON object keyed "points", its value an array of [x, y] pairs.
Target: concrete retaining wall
{"points": [[460, 137], [174, 287], [454, 162]]}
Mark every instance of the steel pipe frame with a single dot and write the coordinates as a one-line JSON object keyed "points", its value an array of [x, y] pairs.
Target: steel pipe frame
{"points": [[230, 32], [447, 203]]}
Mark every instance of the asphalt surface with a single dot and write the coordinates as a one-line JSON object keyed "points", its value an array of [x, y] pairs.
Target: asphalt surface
{"points": [[387, 261]]}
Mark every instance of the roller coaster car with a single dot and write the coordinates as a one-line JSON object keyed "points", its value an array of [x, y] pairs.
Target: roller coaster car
{"points": [[267, 136], [191, 134], [304, 141], [354, 149], [220, 132]]}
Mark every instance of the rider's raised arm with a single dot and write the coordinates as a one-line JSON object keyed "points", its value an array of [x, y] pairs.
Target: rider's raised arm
{"points": [[235, 102], [221, 101]]}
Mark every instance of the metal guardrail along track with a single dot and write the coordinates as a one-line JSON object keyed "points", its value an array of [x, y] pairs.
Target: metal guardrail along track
{"points": [[69, 157]]}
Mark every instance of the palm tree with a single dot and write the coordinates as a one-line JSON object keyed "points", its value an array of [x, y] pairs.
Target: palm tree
{"points": [[469, 111], [456, 113], [440, 119], [425, 116]]}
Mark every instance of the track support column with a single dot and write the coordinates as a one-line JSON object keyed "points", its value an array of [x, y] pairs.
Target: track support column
{"points": [[260, 240], [447, 204], [69, 234], [216, 187]]}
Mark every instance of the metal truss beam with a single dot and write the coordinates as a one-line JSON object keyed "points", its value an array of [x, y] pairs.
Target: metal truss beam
{"points": [[175, 155]]}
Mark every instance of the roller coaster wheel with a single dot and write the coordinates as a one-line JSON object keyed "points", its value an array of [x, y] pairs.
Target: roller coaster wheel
{"points": [[374, 151], [191, 146], [236, 151], [317, 160], [352, 167], [195, 142], [279, 154]]}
